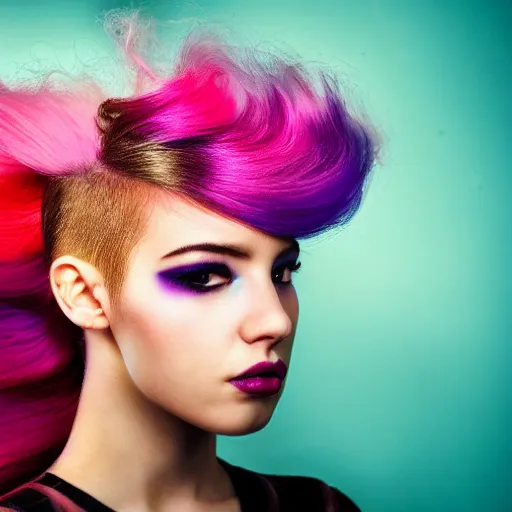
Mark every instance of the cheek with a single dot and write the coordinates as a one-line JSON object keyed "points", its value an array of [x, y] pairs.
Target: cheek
{"points": [[165, 338], [175, 354]]}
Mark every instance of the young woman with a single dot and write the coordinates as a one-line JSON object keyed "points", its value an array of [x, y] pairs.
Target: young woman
{"points": [[146, 297]]}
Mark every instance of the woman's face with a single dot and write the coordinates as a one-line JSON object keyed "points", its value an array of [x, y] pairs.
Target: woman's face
{"points": [[190, 322]]}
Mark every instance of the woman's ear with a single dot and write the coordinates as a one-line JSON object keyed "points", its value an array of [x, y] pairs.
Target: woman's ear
{"points": [[79, 290]]}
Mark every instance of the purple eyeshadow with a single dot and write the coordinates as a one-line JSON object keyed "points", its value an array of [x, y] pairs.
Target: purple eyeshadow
{"points": [[193, 279]]}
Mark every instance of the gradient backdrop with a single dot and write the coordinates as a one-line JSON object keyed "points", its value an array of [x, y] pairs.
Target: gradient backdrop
{"points": [[400, 390]]}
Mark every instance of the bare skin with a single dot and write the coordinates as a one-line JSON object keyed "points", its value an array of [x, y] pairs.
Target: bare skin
{"points": [[156, 390]]}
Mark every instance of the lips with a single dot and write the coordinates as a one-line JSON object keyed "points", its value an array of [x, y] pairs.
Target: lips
{"points": [[265, 369], [262, 379]]}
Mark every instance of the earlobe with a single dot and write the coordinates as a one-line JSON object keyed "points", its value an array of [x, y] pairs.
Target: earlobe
{"points": [[73, 283], [93, 320]]}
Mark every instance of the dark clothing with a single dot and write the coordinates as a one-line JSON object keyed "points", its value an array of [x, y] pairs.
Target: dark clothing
{"points": [[256, 493]]}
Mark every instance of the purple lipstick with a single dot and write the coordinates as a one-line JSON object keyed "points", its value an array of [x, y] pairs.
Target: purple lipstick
{"points": [[262, 379]]}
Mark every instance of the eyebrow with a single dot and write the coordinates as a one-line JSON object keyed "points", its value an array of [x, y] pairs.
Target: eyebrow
{"points": [[227, 249]]}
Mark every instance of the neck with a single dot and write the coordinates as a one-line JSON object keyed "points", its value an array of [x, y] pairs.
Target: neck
{"points": [[126, 451]]}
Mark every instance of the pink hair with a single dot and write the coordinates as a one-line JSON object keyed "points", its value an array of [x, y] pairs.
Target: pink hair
{"points": [[43, 132]]}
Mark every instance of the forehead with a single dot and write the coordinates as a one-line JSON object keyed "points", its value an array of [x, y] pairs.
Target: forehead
{"points": [[175, 221]]}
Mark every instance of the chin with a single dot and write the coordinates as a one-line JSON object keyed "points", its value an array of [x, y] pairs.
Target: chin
{"points": [[246, 419], [242, 429]]}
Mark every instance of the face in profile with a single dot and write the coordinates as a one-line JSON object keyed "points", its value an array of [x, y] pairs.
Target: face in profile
{"points": [[191, 322]]}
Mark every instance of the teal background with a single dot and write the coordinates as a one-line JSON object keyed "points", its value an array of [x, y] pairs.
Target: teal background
{"points": [[400, 389]]}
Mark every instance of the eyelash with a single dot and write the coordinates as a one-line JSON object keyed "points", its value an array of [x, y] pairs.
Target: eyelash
{"points": [[188, 279]]}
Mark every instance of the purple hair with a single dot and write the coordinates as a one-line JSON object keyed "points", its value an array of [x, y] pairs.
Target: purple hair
{"points": [[258, 143]]}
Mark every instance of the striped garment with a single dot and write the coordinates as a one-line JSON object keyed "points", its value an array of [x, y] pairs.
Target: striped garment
{"points": [[256, 492]]}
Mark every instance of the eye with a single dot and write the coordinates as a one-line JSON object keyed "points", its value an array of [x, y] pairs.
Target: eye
{"points": [[198, 278], [203, 279], [283, 274]]}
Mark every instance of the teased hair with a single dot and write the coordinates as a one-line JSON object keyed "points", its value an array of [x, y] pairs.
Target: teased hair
{"points": [[254, 138]]}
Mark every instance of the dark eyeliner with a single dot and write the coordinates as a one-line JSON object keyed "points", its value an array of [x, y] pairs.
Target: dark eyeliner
{"points": [[292, 266], [191, 278], [194, 278]]}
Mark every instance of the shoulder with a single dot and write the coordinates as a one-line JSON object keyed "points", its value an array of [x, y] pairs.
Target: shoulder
{"points": [[293, 492], [27, 500]]}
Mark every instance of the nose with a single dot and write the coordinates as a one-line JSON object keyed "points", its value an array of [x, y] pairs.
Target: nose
{"points": [[270, 316]]}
